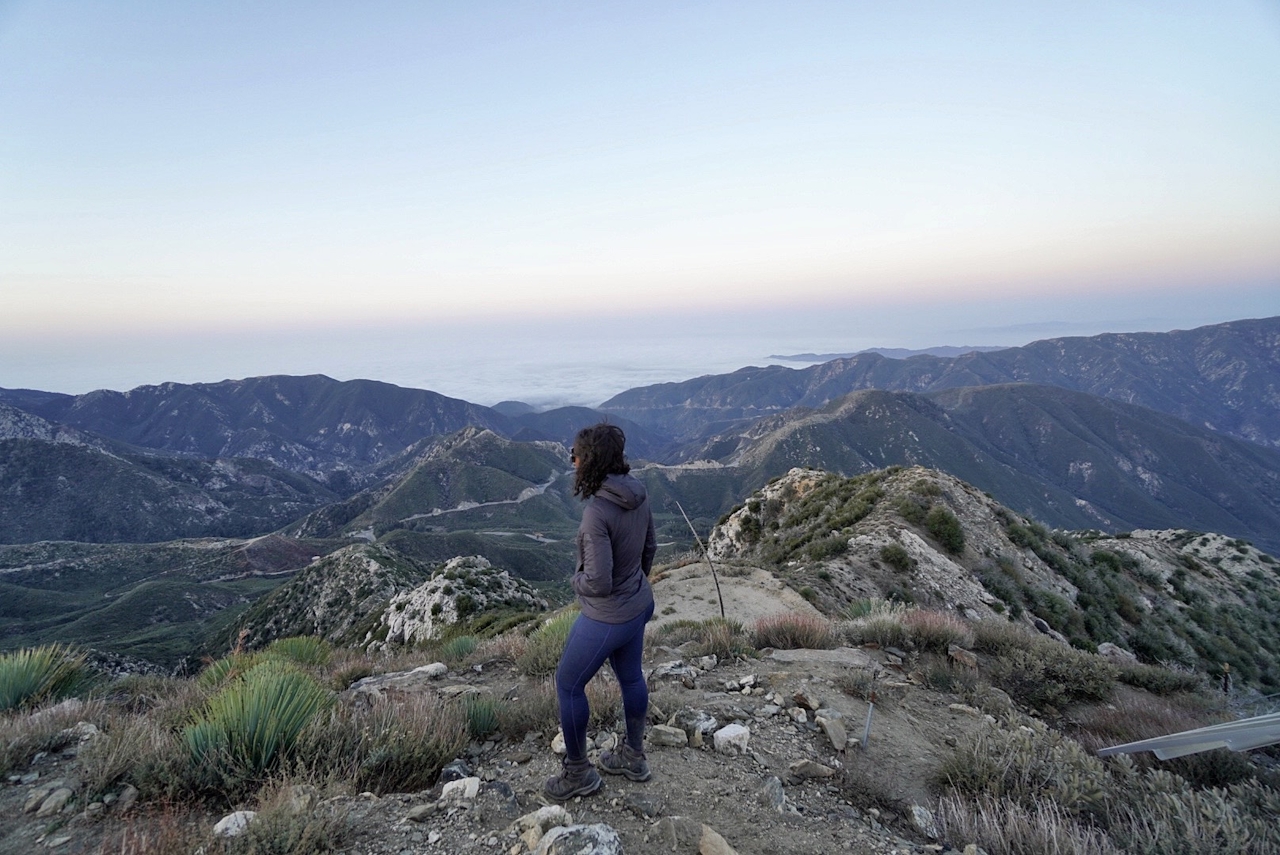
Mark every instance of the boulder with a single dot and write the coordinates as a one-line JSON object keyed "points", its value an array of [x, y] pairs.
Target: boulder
{"points": [[835, 732], [667, 736], [597, 839], [810, 769], [732, 739], [54, 802], [234, 824]]}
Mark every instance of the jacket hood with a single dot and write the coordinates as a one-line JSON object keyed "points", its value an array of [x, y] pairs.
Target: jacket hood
{"points": [[625, 491]]}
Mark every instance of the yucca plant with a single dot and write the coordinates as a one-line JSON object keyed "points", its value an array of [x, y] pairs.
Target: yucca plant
{"points": [[218, 673], [483, 713], [255, 720], [35, 675], [305, 650], [459, 648]]}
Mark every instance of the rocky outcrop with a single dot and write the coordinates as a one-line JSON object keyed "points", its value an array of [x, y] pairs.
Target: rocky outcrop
{"points": [[460, 589]]}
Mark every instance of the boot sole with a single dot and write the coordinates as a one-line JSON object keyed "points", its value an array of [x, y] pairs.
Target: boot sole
{"points": [[627, 773]]}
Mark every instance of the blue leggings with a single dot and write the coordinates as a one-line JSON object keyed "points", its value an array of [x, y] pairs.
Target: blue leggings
{"points": [[589, 644]]}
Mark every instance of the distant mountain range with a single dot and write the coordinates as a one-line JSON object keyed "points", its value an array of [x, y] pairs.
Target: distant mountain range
{"points": [[890, 352], [1224, 377], [1117, 430]]}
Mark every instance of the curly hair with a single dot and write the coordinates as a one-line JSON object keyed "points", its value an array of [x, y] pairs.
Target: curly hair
{"points": [[598, 451]]}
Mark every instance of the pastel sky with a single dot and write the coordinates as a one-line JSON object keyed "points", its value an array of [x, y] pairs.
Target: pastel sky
{"points": [[231, 167]]}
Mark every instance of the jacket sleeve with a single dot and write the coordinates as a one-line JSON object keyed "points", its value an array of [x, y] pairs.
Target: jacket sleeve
{"points": [[650, 547], [594, 577]]}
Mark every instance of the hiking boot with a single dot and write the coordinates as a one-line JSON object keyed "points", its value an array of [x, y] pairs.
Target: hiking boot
{"points": [[625, 761], [574, 780]]}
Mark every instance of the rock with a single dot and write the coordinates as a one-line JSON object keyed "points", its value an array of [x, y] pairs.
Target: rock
{"points": [[732, 739], [1041, 626], [56, 842], [455, 770], [677, 669], [463, 790], [667, 736], [557, 743], [922, 819], [128, 797], [806, 700], [798, 715], [597, 839], [421, 813], [748, 682], [29, 778], [773, 794], [532, 826], [835, 732], [697, 725], [964, 709], [810, 769], [82, 732], [498, 798], [708, 663], [967, 658], [683, 835], [606, 741], [712, 843], [234, 824], [54, 802], [644, 805], [300, 797], [679, 834], [35, 798], [1115, 653], [768, 711]]}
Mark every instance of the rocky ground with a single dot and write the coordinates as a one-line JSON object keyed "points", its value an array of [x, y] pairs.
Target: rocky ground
{"points": [[791, 790]]}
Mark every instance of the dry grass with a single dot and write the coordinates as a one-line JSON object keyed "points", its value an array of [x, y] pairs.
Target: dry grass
{"points": [[395, 746], [936, 631], [533, 709], [167, 830], [22, 736], [793, 631], [1004, 827]]}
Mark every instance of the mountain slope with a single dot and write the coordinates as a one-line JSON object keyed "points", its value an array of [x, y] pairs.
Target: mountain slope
{"points": [[1225, 377], [57, 490], [1070, 459], [308, 424]]}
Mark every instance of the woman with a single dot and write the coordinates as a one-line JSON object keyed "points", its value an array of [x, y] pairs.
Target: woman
{"points": [[615, 547]]}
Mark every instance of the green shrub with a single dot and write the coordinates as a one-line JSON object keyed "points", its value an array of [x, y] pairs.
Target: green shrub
{"points": [[546, 645], [459, 648], [912, 510], [897, 557], [483, 715], [1159, 680], [792, 630], [307, 650], [1046, 673], [33, 676], [830, 546], [945, 528], [253, 723]]}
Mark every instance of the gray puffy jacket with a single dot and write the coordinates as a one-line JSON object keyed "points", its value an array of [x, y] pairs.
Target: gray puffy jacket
{"points": [[616, 545]]}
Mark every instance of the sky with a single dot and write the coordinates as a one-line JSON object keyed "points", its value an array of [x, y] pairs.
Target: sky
{"points": [[443, 194]]}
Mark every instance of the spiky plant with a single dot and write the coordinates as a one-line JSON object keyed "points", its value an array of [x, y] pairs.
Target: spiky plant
{"points": [[305, 650], [255, 720], [34, 675], [546, 644]]}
